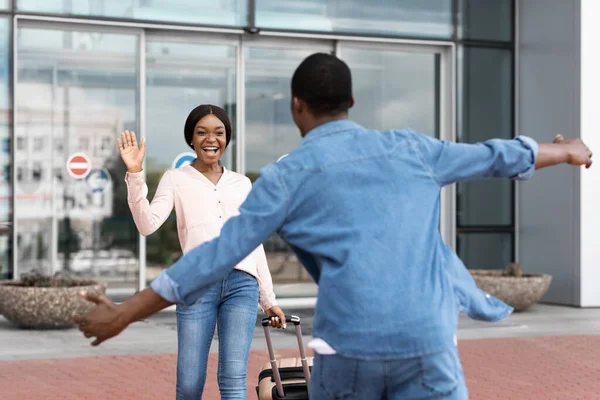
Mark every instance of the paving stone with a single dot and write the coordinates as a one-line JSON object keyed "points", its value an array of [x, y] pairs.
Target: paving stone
{"points": [[525, 368]]}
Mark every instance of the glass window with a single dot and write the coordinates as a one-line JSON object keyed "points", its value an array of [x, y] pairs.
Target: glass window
{"points": [[36, 172], [271, 132], [486, 20], [485, 113], [84, 143], [6, 191], [485, 250], [5, 251], [212, 12], [74, 84], [422, 18], [106, 144], [181, 75], [58, 173], [59, 145], [393, 89], [38, 144], [486, 94], [5, 4], [485, 203]]}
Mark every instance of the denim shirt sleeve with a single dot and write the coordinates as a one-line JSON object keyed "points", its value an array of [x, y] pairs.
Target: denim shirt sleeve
{"points": [[453, 162], [261, 214], [165, 287]]}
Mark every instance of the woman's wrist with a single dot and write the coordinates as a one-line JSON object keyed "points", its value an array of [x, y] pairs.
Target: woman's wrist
{"points": [[134, 170]]}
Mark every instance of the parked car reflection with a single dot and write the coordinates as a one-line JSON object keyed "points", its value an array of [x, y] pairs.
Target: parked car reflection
{"points": [[113, 262]]}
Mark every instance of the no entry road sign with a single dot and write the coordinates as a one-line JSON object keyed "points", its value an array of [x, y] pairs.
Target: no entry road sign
{"points": [[78, 165]]}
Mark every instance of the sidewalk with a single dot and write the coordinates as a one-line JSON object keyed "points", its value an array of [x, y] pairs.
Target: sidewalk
{"points": [[535, 368], [548, 353]]}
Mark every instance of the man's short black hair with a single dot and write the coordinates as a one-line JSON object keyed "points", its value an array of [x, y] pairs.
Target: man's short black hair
{"points": [[324, 82]]}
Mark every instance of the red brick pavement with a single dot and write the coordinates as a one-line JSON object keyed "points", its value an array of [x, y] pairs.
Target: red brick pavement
{"points": [[545, 368]]}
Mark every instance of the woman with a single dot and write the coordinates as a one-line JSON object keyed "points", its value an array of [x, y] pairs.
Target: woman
{"points": [[205, 195]]}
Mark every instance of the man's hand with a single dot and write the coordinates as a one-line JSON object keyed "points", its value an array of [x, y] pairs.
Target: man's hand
{"points": [[105, 321], [578, 152], [561, 150], [277, 317]]}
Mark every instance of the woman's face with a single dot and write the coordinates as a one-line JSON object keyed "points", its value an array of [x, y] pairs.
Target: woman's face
{"points": [[209, 139]]}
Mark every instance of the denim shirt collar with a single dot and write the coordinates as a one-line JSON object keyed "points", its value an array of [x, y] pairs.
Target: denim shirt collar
{"points": [[327, 128]]}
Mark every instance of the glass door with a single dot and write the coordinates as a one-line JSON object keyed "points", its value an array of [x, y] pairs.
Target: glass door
{"points": [[395, 86], [182, 72], [405, 86], [78, 86], [268, 68], [76, 89], [269, 131]]}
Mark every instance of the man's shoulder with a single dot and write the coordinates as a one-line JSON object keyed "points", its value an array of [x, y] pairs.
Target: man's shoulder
{"points": [[415, 139], [404, 133]]}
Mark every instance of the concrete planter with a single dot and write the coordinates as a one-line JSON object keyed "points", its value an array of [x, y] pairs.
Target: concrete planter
{"points": [[45, 307], [517, 289]]}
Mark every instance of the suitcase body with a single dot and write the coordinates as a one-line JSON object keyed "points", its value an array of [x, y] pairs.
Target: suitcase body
{"points": [[288, 378]]}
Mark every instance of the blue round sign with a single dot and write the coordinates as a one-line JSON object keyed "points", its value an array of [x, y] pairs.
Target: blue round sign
{"points": [[98, 179], [183, 159]]}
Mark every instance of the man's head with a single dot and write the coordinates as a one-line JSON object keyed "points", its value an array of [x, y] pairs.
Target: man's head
{"points": [[321, 91]]}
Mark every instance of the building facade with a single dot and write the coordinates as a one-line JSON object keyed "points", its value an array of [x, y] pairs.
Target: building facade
{"points": [[74, 74], [557, 92]]}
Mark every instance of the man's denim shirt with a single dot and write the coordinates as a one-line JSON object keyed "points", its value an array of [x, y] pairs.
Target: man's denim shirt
{"points": [[360, 209]]}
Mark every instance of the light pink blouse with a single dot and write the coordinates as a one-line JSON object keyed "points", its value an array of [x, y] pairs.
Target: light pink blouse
{"points": [[201, 208]]}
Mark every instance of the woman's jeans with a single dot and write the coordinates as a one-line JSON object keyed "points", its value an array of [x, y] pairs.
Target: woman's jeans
{"points": [[232, 306]]}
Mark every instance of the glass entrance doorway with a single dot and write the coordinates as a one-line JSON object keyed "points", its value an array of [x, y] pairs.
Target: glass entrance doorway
{"points": [[394, 85], [78, 86]]}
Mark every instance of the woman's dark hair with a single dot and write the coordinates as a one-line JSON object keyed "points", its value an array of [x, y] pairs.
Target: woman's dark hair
{"points": [[324, 82], [200, 112]]}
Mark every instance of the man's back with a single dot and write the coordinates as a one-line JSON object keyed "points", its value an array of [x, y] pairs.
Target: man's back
{"points": [[363, 216]]}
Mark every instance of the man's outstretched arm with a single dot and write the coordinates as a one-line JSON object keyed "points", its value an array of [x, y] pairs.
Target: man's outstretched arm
{"points": [[263, 212], [516, 159], [108, 319]]}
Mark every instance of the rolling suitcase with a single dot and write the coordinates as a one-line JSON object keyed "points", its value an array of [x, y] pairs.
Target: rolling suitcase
{"points": [[288, 378]]}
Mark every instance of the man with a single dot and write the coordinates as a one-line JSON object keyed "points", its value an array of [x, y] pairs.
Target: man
{"points": [[360, 209]]}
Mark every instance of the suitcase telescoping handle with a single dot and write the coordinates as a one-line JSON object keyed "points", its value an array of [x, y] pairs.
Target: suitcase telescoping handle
{"points": [[296, 321]]}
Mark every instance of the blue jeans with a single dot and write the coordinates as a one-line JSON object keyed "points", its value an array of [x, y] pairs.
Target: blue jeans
{"points": [[232, 306], [436, 376]]}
